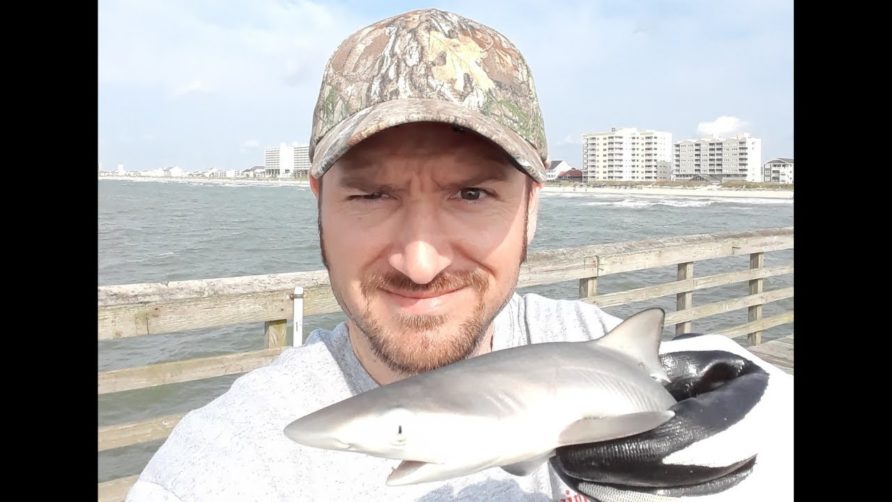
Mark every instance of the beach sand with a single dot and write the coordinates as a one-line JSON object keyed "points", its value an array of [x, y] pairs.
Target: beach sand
{"points": [[709, 191], [212, 181]]}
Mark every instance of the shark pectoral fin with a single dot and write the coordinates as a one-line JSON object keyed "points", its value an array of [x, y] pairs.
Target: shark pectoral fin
{"points": [[593, 430], [527, 466]]}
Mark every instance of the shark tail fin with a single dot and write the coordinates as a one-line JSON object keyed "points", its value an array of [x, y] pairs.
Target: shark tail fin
{"points": [[639, 337]]}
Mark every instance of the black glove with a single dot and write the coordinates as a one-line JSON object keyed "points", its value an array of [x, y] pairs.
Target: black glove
{"points": [[706, 448]]}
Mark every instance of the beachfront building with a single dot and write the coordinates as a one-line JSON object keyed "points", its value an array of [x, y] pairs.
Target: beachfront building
{"points": [[778, 171], [287, 161], [279, 161], [254, 172], [737, 158], [174, 172], [627, 154], [556, 168], [302, 161], [571, 175]]}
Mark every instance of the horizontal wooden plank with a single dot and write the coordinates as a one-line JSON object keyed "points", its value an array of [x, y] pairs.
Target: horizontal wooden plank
{"points": [[567, 264], [759, 325], [184, 371], [207, 312], [129, 294], [558, 265], [670, 288], [182, 315], [711, 309], [320, 300], [154, 308], [116, 489], [669, 253], [120, 435]]}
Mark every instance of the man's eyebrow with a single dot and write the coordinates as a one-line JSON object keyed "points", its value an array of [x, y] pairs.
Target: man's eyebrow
{"points": [[494, 175], [363, 183]]}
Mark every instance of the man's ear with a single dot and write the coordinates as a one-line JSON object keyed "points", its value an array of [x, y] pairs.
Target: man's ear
{"points": [[533, 210], [315, 185]]}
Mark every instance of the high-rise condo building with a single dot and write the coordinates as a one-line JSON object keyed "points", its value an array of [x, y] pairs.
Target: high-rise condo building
{"points": [[287, 161], [627, 154], [737, 158]]}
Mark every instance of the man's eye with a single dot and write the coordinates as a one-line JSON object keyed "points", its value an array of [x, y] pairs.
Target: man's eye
{"points": [[471, 193], [366, 196]]}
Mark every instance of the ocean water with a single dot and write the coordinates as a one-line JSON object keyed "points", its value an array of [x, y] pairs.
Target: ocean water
{"points": [[156, 231]]}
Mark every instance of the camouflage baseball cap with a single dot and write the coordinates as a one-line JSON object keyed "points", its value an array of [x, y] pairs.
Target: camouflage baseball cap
{"points": [[428, 66]]}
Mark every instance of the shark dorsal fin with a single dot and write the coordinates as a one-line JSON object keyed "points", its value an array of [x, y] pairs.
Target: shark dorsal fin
{"points": [[638, 337]]}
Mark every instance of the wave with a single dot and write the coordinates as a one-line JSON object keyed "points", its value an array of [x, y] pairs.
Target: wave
{"points": [[637, 203], [756, 200], [648, 200]]}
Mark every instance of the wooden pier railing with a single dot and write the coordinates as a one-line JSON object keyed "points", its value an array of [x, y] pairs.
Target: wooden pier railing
{"points": [[157, 308]]}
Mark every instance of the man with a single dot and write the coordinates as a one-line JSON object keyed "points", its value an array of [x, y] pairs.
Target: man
{"points": [[428, 153]]}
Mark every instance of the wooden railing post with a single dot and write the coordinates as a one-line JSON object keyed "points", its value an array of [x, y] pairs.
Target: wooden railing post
{"points": [[588, 287], [685, 299], [275, 333], [754, 313]]}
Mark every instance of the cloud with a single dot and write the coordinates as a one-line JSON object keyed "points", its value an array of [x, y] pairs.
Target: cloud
{"points": [[189, 87], [242, 46], [721, 127], [571, 139], [249, 145]]}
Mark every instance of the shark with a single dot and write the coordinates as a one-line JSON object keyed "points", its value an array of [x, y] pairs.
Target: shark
{"points": [[509, 408]]}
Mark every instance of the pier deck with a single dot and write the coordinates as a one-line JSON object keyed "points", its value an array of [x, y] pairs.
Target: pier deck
{"points": [[777, 352]]}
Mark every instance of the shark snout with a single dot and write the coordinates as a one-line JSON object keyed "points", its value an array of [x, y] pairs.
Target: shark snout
{"points": [[304, 432]]}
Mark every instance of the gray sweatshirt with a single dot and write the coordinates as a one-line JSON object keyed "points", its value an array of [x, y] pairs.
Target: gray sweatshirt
{"points": [[234, 447]]}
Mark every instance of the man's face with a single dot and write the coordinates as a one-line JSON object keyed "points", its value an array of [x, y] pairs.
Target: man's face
{"points": [[423, 230]]}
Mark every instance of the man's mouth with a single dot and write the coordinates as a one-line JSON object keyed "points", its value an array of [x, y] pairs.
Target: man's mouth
{"points": [[421, 302]]}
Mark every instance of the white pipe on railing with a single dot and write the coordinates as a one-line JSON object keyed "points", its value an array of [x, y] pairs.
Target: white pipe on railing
{"points": [[297, 338]]}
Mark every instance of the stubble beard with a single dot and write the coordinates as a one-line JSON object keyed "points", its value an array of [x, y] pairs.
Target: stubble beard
{"points": [[417, 343], [416, 346]]}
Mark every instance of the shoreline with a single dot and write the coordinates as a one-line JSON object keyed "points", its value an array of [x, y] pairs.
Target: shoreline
{"points": [[210, 181], [706, 191], [709, 191]]}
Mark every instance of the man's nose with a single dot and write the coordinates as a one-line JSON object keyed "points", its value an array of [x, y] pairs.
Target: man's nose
{"points": [[421, 249]]}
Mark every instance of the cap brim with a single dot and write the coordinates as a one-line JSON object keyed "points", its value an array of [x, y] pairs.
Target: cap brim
{"points": [[376, 118]]}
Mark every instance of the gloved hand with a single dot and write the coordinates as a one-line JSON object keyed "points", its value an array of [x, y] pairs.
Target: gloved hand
{"points": [[710, 445]]}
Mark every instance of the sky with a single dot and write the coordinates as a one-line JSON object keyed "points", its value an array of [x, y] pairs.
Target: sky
{"points": [[203, 83]]}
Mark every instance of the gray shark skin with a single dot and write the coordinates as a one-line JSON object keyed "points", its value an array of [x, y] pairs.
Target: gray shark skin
{"points": [[509, 408]]}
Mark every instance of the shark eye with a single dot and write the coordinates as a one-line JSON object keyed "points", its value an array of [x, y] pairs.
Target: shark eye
{"points": [[397, 420], [400, 438]]}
